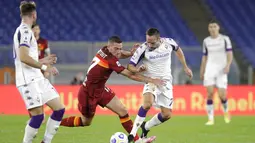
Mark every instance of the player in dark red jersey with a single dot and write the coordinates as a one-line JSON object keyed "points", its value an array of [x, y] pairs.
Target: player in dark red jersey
{"points": [[44, 49], [93, 92]]}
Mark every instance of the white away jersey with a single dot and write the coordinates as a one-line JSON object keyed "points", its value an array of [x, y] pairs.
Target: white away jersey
{"points": [[158, 61], [216, 51], [24, 37]]}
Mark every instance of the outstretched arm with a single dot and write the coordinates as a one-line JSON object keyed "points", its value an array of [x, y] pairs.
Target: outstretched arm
{"points": [[182, 59]]}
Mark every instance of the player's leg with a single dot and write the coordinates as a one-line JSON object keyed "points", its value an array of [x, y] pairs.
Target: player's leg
{"points": [[222, 90], [165, 102], [52, 99], [148, 99], [209, 105], [87, 114], [209, 83], [156, 120], [117, 107], [34, 124], [33, 102], [113, 103]]}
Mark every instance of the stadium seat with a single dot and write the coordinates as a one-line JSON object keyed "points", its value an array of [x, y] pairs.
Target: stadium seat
{"points": [[236, 18]]}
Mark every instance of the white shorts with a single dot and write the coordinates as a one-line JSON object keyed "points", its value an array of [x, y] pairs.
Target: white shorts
{"points": [[37, 93], [163, 95], [220, 80]]}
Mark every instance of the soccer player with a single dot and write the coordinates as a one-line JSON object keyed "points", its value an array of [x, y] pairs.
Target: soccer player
{"points": [[43, 48], [93, 92], [30, 82], [156, 56], [215, 66]]}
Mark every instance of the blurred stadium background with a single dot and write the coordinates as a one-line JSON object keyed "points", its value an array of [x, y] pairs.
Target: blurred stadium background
{"points": [[76, 29]]}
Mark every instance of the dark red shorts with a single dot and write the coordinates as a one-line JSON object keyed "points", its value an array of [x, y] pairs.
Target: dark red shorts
{"points": [[89, 98]]}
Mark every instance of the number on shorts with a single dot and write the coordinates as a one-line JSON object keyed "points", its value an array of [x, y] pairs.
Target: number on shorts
{"points": [[171, 101]]}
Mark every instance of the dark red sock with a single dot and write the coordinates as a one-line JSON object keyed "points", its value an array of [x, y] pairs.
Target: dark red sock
{"points": [[127, 124], [73, 121]]}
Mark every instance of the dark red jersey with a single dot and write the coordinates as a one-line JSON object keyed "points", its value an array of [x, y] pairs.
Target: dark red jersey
{"points": [[103, 64], [43, 47]]}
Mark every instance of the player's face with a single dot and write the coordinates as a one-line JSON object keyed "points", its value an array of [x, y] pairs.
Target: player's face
{"points": [[34, 17], [214, 29], [36, 30], [115, 49], [152, 41]]}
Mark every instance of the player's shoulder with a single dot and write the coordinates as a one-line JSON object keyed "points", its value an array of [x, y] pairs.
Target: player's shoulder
{"points": [[24, 29], [207, 38], [169, 41], [141, 48], [225, 37]]}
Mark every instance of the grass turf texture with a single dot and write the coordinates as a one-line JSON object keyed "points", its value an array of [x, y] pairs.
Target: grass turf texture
{"points": [[180, 129]]}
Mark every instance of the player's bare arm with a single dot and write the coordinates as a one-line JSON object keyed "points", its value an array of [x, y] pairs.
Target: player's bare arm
{"points": [[202, 67], [134, 69], [25, 58], [126, 54], [182, 59], [50, 59], [141, 78], [229, 61]]}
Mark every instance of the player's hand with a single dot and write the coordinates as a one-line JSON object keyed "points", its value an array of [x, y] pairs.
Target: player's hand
{"points": [[226, 69], [158, 82], [52, 70], [134, 48], [142, 68], [188, 72], [49, 60], [55, 71]]}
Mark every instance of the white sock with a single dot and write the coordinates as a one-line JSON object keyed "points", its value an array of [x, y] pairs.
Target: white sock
{"points": [[138, 121], [30, 134], [154, 121], [210, 111], [51, 129]]}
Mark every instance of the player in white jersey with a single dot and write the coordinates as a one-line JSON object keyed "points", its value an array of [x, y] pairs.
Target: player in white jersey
{"points": [[33, 87], [155, 54], [215, 66]]}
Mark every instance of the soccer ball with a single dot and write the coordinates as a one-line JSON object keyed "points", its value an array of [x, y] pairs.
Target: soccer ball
{"points": [[119, 137]]}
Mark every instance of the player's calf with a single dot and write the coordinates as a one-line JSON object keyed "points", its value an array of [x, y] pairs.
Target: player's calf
{"points": [[53, 125], [32, 128]]}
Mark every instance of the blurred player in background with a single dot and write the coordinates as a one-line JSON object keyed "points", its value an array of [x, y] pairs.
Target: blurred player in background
{"points": [[34, 88], [215, 65], [93, 92], [156, 56], [43, 47]]}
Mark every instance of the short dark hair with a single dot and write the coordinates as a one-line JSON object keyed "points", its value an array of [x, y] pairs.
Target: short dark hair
{"points": [[27, 7], [34, 25], [213, 21], [114, 39], [153, 32]]}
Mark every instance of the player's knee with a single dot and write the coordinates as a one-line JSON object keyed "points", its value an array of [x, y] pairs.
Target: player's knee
{"points": [[147, 105], [210, 95], [166, 115], [58, 114]]}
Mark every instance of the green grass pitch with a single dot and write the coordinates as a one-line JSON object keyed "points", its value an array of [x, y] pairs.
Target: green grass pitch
{"points": [[180, 129]]}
